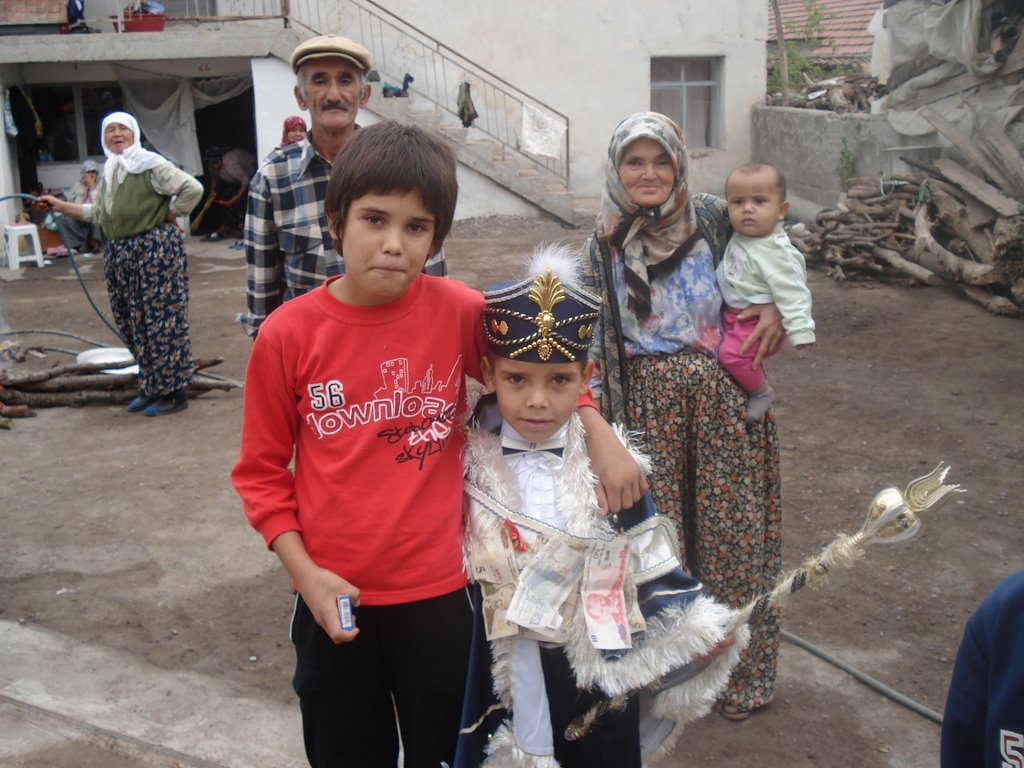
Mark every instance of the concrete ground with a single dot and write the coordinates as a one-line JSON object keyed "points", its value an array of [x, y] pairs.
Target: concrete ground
{"points": [[142, 623]]}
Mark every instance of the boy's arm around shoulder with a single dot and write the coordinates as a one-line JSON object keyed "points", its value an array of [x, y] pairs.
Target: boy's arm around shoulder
{"points": [[620, 479], [456, 313], [475, 340]]}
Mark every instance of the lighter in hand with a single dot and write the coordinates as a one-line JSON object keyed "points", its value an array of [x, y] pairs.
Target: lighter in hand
{"points": [[345, 612]]}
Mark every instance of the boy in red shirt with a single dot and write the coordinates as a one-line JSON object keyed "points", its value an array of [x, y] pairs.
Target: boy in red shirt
{"points": [[363, 381]]}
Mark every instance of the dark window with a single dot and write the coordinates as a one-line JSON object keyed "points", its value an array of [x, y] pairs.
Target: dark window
{"points": [[71, 116], [689, 91]]}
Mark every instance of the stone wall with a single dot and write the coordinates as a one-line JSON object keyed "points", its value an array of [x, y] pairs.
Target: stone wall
{"points": [[807, 144]]}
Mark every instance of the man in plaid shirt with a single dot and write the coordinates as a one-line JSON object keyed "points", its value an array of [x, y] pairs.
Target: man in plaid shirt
{"points": [[288, 246]]}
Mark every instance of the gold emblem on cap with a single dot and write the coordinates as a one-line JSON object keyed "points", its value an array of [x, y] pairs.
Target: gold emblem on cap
{"points": [[546, 292], [501, 327]]}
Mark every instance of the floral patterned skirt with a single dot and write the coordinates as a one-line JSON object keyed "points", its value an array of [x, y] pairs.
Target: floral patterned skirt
{"points": [[718, 479], [147, 285]]}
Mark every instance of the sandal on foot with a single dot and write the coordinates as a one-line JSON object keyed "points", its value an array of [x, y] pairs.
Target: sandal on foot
{"points": [[731, 712]]}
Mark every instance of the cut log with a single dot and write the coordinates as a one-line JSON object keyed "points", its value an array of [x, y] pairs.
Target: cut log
{"points": [[954, 267], [997, 305], [1017, 291], [17, 380], [12, 379], [891, 199], [954, 216], [895, 259], [98, 382], [859, 263], [57, 399], [1008, 243], [867, 210], [12, 350], [840, 217], [864, 190], [202, 383], [16, 411]]}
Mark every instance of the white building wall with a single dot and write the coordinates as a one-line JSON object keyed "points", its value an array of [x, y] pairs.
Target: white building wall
{"points": [[273, 89], [590, 59], [8, 157]]}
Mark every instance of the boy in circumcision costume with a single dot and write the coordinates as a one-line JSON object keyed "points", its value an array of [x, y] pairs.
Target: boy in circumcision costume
{"points": [[590, 642]]}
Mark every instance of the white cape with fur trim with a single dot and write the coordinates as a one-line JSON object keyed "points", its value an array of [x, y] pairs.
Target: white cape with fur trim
{"points": [[672, 637]]}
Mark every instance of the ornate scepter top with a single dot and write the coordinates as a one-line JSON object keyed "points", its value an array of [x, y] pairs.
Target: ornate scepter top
{"points": [[892, 518]]}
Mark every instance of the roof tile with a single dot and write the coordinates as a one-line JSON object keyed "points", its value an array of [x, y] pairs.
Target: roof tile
{"points": [[844, 25]]}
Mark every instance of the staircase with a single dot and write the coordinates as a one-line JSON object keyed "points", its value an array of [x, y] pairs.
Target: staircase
{"points": [[486, 155], [508, 120]]}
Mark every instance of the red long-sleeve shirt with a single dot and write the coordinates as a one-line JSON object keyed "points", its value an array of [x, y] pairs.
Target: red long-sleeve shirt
{"points": [[370, 401]]}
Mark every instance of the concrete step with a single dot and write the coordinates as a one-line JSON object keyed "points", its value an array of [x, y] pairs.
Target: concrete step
{"points": [[489, 157]]}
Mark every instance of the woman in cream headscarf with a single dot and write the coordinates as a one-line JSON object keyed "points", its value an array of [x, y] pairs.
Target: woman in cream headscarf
{"points": [[137, 201], [81, 235], [652, 258]]}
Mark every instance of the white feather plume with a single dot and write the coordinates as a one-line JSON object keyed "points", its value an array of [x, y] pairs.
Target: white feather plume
{"points": [[560, 259]]}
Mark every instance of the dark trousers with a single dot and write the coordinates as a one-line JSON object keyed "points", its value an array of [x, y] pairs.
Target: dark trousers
{"points": [[408, 660], [147, 286], [614, 739]]}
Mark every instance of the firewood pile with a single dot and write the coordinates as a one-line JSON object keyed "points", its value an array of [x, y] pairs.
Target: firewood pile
{"points": [[941, 225], [76, 384], [848, 93]]}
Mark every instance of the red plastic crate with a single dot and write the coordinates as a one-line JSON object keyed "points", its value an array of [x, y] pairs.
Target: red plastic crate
{"points": [[141, 22]]}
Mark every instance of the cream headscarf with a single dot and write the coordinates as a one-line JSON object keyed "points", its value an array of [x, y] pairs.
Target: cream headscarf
{"points": [[651, 234], [134, 159]]}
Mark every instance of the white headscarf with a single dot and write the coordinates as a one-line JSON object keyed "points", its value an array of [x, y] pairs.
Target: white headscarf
{"points": [[134, 159]]}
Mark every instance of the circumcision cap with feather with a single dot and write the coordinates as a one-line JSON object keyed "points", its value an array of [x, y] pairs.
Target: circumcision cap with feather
{"points": [[546, 317]]}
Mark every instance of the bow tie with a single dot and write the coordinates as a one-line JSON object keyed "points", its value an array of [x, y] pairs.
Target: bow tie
{"points": [[511, 445]]}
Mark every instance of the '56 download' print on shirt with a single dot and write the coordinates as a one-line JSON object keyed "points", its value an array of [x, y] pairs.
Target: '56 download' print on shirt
{"points": [[415, 415]]}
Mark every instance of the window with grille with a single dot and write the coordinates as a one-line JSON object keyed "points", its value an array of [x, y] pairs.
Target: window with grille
{"points": [[689, 91]]}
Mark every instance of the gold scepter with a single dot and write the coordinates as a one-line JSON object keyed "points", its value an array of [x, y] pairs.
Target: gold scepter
{"points": [[893, 517]]}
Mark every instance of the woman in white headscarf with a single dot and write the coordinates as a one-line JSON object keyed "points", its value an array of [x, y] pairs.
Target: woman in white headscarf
{"points": [[652, 259], [137, 201]]}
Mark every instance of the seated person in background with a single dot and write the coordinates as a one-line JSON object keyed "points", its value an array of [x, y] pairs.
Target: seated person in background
{"points": [[228, 185], [78, 235]]}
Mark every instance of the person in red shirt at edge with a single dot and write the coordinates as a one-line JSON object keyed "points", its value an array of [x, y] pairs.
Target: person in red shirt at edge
{"points": [[363, 380]]}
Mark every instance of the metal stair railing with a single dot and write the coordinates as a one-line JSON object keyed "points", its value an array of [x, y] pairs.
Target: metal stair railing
{"points": [[218, 10], [506, 114]]}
